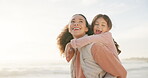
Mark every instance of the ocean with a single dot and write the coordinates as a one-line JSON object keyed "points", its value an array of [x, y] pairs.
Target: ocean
{"points": [[135, 69]]}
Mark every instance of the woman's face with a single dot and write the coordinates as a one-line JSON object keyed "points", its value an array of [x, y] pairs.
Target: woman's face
{"points": [[77, 26], [100, 26]]}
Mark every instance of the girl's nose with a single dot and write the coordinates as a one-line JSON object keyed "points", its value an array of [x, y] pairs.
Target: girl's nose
{"points": [[98, 26]]}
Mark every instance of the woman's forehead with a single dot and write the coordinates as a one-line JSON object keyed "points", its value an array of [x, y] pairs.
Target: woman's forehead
{"points": [[77, 17]]}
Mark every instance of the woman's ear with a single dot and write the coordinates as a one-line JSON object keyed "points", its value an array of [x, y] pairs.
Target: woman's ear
{"points": [[86, 29], [67, 27]]}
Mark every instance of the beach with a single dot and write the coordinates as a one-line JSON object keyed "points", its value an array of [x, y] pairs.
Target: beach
{"points": [[135, 69]]}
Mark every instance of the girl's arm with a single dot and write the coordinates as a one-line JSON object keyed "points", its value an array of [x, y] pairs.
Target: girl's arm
{"points": [[80, 42], [69, 52]]}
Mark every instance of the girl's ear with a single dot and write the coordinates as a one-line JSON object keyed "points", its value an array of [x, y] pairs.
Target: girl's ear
{"points": [[109, 28]]}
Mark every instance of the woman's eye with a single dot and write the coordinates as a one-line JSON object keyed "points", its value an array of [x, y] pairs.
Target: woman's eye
{"points": [[72, 21], [81, 21], [103, 25]]}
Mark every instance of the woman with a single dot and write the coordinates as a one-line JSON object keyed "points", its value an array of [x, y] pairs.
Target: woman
{"points": [[77, 27], [84, 60]]}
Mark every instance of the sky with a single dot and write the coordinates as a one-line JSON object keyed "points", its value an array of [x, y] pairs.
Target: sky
{"points": [[29, 28]]}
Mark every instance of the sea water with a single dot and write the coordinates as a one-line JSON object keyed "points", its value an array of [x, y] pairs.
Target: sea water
{"points": [[135, 69]]}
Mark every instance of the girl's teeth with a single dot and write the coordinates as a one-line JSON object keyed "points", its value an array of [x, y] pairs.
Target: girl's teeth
{"points": [[98, 31]]}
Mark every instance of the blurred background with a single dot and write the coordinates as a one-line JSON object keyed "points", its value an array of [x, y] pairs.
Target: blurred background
{"points": [[29, 28]]}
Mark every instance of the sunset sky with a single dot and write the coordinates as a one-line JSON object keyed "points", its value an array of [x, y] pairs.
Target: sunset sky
{"points": [[29, 28]]}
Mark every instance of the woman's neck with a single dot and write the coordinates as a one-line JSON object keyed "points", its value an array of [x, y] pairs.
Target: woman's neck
{"points": [[76, 37]]}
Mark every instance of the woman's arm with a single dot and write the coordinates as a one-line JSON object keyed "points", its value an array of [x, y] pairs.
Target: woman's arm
{"points": [[69, 52], [80, 42], [107, 60]]}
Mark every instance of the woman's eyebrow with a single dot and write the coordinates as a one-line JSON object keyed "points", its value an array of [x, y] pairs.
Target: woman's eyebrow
{"points": [[81, 19], [73, 19]]}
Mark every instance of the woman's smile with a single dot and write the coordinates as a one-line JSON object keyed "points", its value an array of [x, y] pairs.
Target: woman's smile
{"points": [[76, 28]]}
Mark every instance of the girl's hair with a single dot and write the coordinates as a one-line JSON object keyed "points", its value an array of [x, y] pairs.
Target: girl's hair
{"points": [[109, 23], [65, 36], [117, 47]]}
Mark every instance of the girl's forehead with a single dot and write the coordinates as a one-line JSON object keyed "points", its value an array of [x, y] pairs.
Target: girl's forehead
{"points": [[100, 20]]}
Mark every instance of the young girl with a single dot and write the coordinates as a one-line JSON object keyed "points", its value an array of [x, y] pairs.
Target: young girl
{"points": [[101, 25]]}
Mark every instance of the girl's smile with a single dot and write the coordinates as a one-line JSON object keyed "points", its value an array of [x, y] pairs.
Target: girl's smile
{"points": [[98, 31]]}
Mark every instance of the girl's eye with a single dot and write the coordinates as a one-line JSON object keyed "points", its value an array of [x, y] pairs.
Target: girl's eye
{"points": [[97, 24], [103, 25]]}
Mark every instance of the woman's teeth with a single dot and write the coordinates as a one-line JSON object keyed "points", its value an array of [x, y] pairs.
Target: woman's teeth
{"points": [[76, 29]]}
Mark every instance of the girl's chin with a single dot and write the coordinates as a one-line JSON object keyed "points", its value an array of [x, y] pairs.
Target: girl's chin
{"points": [[97, 33]]}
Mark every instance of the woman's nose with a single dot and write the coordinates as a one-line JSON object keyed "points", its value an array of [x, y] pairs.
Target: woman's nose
{"points": [[75, 24]]}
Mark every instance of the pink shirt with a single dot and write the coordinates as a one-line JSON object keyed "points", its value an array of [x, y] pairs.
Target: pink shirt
{"points": [[79, 72], [105, 55], [104, 38], [108, 61], [78, 69]]}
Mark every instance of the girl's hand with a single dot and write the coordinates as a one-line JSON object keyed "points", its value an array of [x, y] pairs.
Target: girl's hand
{"points": [[69, 51]]}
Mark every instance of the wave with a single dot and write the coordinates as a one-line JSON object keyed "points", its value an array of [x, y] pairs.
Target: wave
{"points": [[33, 70], [135, 69], [58, 69]]}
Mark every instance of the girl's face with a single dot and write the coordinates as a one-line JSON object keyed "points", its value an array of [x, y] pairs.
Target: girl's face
{"points": [[100, 26], [77, 26]]}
